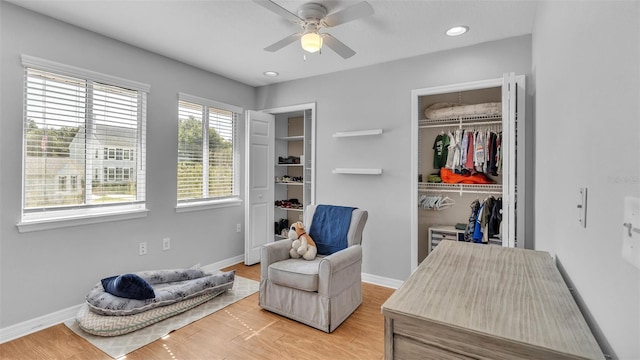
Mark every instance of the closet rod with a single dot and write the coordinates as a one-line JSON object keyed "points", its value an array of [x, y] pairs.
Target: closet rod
{"points": [[459, 124], [462, 191]]}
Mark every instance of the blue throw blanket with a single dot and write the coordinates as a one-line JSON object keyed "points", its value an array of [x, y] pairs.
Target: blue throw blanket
{"points": [[329, 228]]}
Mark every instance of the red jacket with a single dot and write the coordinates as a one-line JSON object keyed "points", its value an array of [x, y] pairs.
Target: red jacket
{"points": [[450, 177]]}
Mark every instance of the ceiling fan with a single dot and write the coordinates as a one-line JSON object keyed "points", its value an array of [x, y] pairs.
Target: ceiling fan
{"points": [[313, 17]]}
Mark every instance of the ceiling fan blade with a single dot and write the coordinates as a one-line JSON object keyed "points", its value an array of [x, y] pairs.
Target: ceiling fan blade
{"points": [[338, 46], [284, 42], [351, 13], [273, 7]]}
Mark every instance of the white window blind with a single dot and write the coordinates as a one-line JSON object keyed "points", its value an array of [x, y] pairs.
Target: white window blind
{"points": [[69, 122], [207, 150]]}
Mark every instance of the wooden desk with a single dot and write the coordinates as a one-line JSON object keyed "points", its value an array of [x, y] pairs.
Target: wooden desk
{"points": [[473, 301]]}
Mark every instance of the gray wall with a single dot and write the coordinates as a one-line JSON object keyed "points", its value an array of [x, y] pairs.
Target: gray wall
{"points": [[46, 271], [586, 108], [586, 63], [379, 96]]}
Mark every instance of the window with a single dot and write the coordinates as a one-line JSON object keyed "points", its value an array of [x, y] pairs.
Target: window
{"points": [[74, 183], [207, 151], [71, 116], [62, 183], [111, 174]]}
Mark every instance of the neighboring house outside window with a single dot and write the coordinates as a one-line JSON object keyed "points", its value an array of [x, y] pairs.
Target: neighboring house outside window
{"points": [[77, 123], [207, 168]]}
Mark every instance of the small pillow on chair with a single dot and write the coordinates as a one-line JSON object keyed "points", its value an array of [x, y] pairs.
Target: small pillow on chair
{"points": [[128, 286]]}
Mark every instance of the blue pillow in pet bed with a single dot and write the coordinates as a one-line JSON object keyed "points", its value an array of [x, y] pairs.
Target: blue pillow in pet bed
{"points": [[128, 286]]}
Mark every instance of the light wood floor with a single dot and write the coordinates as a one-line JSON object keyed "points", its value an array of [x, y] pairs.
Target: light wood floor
{"points": [[240, 331]]}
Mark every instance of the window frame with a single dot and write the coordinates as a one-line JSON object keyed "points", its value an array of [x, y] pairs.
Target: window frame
{"points": [[212, 203], [88, 214]]}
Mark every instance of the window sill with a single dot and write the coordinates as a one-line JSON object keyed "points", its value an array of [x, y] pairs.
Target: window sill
{"points": [[38, 224], [206, 205]]}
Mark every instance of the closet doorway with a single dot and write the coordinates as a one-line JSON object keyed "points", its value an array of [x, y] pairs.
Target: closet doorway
{"points": [[466, 141], [279, 169]]}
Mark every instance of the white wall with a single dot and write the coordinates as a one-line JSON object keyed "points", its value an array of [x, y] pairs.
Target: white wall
{"points": [[379, 96], [586, 65], [46, 271]]}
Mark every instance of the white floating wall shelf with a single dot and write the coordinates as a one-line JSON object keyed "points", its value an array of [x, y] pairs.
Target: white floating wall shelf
{"points": [[353, 171], [357, 133]]}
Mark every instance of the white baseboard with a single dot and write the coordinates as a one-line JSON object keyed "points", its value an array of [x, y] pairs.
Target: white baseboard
{"points": [[368, 278], [381, 281], [224, 263], [30, 326]]}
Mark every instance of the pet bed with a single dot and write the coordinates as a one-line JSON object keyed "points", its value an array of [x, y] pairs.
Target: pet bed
{"points": [[176, 291], [442, 111], [102, 325], [169, 286]]}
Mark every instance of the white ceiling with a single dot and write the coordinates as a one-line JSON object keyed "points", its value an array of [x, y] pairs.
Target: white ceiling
{"points": [[227, 37]]}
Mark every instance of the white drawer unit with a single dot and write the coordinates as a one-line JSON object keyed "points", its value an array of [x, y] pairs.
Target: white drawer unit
{"points": [[438, 233]]}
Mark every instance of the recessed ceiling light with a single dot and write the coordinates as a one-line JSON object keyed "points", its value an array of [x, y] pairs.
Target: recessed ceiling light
{"points": [[271, 73], [457, 30]]}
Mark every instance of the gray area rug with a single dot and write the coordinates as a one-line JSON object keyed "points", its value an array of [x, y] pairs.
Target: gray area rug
{"points": [[118, 346]]}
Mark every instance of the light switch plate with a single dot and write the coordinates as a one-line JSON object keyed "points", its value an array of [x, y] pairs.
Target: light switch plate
{"points": [[631, 231], [582, 206]]}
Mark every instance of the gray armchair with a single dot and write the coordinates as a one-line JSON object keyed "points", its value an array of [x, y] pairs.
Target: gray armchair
{"points": [[322, 292]]}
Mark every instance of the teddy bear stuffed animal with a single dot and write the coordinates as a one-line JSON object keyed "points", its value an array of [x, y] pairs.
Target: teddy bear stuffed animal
{"points": [[303, 244]]}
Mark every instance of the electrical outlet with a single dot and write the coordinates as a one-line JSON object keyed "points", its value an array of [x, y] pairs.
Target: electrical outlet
{"points": [[238, 228], [143, 248], [166, 243]]}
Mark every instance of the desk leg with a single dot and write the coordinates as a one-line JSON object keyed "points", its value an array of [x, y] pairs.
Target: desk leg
{"points": [[388, 338]]}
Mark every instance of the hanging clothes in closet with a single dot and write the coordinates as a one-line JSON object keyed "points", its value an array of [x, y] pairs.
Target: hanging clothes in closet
{"points": [[484, 220], [469, 151], [440, 150], [471, 225]]}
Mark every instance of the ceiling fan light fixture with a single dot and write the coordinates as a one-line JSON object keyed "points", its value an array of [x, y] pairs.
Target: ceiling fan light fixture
{"points": [[311, 42], [457, 30]]}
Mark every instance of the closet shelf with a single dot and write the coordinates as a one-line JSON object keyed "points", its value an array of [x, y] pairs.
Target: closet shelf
{"points": [[289, 165], [462, 120], [354, 171], [291, 138], [357, 133], [289, 183], [288, 209], [460, 188]]}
